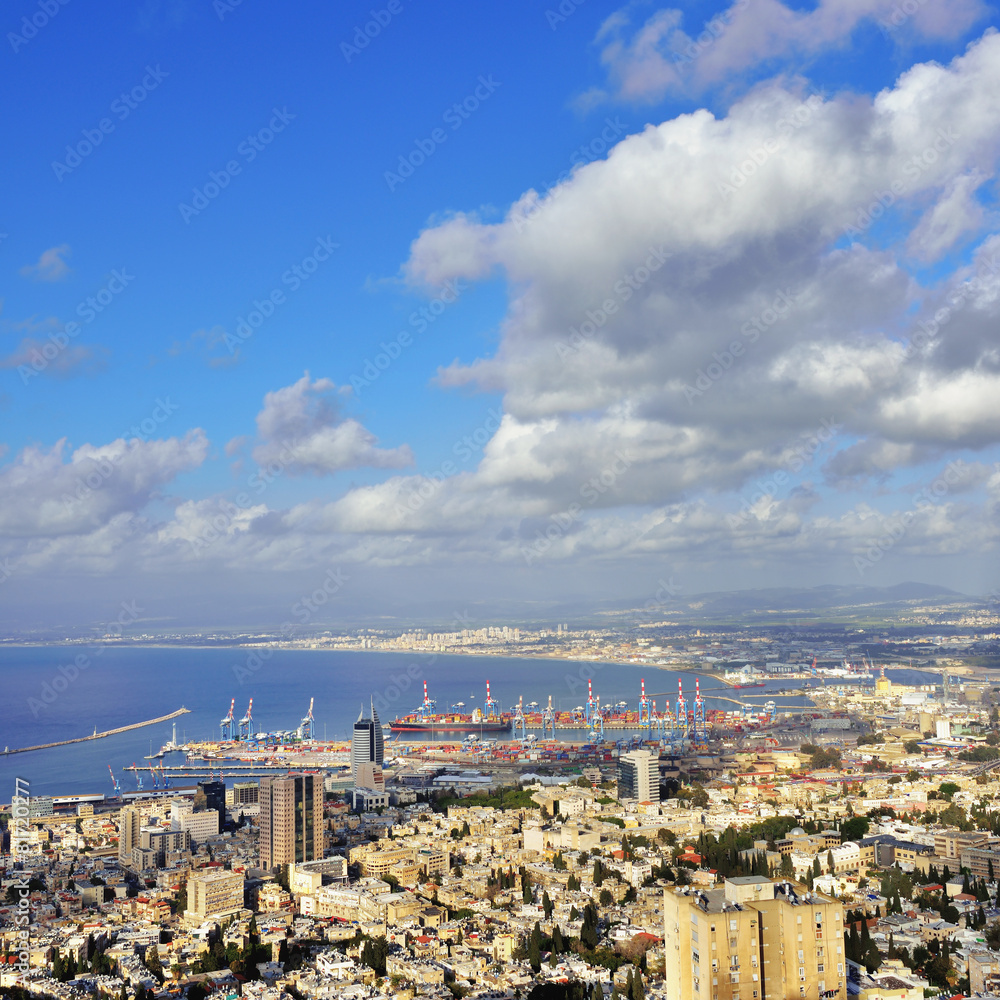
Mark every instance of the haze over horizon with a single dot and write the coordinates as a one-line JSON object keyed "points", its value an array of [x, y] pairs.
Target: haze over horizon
{"points": [[441, 307]]}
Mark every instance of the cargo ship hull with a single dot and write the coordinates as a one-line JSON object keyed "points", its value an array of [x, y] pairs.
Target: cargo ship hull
{"points": [[449, 726]]}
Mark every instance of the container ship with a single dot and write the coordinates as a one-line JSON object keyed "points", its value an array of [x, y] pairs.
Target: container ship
{"points": [[750, 684], [426, 720]]}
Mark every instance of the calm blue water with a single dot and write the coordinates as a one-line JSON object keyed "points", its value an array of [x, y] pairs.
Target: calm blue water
{"points": [[122, 685]]}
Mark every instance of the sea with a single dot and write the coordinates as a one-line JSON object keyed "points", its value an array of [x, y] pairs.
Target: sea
{"points": [[62, 691]]}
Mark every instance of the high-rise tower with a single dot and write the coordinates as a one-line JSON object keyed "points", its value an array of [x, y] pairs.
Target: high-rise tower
{"points": [[367, 744], [291, 819]]}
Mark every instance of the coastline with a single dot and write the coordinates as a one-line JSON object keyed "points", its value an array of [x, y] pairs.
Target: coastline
{"points": [[293, 647]]}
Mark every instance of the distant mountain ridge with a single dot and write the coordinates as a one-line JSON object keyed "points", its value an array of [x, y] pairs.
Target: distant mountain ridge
{"points": [[823, 598]]}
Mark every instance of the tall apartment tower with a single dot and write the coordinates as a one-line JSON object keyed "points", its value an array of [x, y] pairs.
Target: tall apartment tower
{"points": [[129, 827], [291, 819], [639, 776], [753, 939], [215, 798], [367, 743]]}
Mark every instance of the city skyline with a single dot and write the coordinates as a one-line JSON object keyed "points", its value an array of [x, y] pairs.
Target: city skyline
{"points": [[392, 310]]}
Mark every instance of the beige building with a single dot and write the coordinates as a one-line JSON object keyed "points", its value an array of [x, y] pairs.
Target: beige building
{"points": [[198, 825], [129, 825], [639, 776], [213, 893], [984, 972], [291, 819], [951, 843], [753, 939], [983, 861]]}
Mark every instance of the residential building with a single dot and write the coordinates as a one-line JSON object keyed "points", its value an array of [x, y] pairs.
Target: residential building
{"points": [[753, 939], [163, 841], [291, 819], [984, 861], [214, 893], [639, 776], [200, 825], [984, 972], [129, 825]]}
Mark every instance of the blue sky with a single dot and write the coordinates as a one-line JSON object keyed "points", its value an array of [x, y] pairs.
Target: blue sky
{"points": [[236, 139]]}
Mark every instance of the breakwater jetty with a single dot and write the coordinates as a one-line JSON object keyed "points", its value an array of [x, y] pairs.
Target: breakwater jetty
{"points": [[100, 736]]}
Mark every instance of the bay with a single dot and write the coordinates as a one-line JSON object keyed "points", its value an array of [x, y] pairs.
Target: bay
{"points": [[50, 693]]}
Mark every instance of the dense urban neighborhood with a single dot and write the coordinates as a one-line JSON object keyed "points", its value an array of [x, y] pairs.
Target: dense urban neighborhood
{"points": [[847, 849]]}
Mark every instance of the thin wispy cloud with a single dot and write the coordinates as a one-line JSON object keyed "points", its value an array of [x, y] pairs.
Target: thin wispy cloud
{"points": [[50, 266]]}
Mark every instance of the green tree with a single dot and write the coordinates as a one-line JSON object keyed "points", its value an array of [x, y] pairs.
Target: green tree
{"points": [[854, 828], [535, 948], [153, 962], [872, 957], [547, 905], [638, 989], [588, 931], [374, 953]]}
